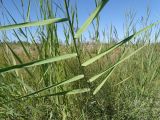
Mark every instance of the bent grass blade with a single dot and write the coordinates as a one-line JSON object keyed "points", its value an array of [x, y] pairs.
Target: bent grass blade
{"points": [[90, 61], [112, 69], [38, 62], [119, 62], [49, 87]]}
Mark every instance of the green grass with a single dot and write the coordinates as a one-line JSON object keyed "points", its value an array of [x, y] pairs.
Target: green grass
{"points": [[74, 80]]}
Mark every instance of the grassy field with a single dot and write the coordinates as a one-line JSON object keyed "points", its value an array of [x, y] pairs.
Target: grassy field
{"points": [[76, 80]]}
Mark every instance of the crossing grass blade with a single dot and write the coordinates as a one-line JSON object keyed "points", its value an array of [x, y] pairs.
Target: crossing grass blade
{"points": [[51, 91], [30, 24], [18, 59], [117, 63], [24, 85], [90, 61], [112, 69], [123, 81], [70, 92], [38, 62], [97, 76], [91, 18], [23, 46], [76, 78], [103, 82]]}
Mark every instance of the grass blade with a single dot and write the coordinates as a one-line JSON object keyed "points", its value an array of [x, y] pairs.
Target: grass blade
{"points": [[123, 81], [97, 76], [49, 87], [90, 61], [103, 82], [119, 62], [38, 62], [28, 11], [70, 92], [91, 18], [21, 81], [18, 58], [29, 24], [22, 45], [112, 69]]}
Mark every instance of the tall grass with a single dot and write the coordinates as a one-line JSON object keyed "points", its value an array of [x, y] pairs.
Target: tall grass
{"points": [[48, 79]]}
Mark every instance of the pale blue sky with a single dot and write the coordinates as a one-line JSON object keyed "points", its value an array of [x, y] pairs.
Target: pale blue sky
{"points": [[113, 13]]}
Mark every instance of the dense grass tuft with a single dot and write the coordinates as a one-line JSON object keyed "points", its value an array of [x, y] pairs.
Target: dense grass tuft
{"points": [[50, 79]]}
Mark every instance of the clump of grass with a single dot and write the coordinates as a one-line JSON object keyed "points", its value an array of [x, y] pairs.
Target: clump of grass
{"points": [[71, 81]]}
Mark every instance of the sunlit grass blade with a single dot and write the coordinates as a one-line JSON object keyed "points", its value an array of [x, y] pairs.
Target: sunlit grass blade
{"points": [[76, 78], [91, 18], [96, 76], [90, 61], [103, 82], [37, 62], [112, 69], [123, 81], [29, 24], [130, 55], [99, 50], [70, 92], [117, 63]]}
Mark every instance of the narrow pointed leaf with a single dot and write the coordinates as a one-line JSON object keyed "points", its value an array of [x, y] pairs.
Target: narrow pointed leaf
{"points": [[38, 62], [28, 12], [76, 78], [103, 82], [119, 62], [96, 76], [23, 46], [91, 18], [77, 91], [90, 61], [112, 69], [70, 92], [29, 24], [18, 58], [123, 81]]}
